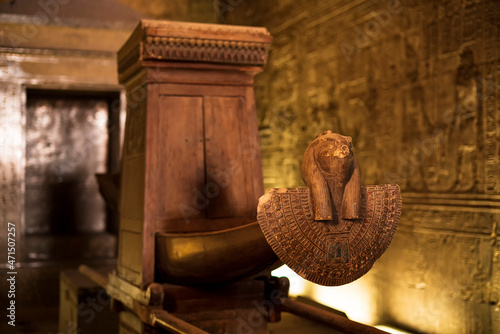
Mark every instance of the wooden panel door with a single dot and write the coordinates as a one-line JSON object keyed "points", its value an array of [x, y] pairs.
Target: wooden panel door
{"points": [[226, 181], [181, 158]]}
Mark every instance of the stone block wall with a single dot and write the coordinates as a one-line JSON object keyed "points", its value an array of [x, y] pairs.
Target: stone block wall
{"points": [[415, 83]]}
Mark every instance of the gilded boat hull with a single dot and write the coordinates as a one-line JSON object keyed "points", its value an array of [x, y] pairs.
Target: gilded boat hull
{"points": [[212, 257]]}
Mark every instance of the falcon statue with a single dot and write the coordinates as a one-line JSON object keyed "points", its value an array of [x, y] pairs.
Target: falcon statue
{"points": [[333, 231]]}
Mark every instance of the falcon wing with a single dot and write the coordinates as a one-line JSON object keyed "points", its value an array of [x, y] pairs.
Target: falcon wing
{"points": [[320, 252]]}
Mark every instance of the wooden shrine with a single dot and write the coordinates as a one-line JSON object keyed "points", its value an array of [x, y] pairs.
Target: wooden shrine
{"points": [[193, 258], [191, 159], [191, 172]]}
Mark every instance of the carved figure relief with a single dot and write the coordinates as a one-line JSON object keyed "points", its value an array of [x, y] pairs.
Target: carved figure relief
{"points": [[454, 167], [332, 232]]}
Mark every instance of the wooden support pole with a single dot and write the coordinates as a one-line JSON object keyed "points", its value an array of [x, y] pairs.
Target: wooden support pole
{"points": [[153, 316], [328, 318]]}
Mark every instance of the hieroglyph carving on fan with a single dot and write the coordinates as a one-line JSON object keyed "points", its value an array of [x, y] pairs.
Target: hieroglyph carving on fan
{"points": [[332, 232]]}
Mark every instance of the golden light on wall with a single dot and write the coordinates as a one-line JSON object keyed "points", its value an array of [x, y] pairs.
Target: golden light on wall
{"points": [[356, 299], [391, 330], [298, 285]]}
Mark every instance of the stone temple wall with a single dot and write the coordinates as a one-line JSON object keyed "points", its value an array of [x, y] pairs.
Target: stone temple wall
{"points": [[415, 83]]}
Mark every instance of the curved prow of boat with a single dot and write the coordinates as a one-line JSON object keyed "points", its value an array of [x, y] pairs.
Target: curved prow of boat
{"points": [[212, 257]]}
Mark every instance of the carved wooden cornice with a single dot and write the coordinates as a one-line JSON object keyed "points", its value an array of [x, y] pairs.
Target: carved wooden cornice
{"points": [[206, 50], [194, 42]]}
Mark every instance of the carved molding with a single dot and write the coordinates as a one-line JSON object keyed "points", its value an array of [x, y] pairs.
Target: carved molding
{"points": [[205, 50], [193, 42], [454, 202]]}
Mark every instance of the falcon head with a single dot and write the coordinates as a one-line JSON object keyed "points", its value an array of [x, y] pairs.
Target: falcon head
{"points": [[330, 171]]}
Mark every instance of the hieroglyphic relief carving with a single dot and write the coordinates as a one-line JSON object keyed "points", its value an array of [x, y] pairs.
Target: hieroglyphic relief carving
{"points": [[409, 90], [490, 92], [442, 149]]}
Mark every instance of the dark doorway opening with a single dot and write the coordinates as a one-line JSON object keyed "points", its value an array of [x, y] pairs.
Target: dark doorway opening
{"points": [[70, 136]]}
